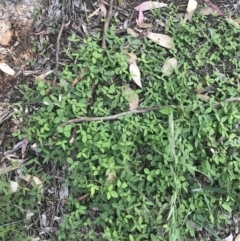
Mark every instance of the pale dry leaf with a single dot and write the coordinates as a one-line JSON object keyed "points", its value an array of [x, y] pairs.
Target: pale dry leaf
{"points": [[103, 10], [169, 66], [134, 70], [132, 97], [13, 186], [35, 181], [237, 238], [147, 6], [204, 10], [161, 39], [192, 5], [150, 5], [229, 238], [132, 33], [6, 69]]}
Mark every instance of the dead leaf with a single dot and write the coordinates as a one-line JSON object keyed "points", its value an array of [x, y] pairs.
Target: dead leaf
{"points": [[144, 25], [131, 32], [150, 5], [132, 97], [43, 76], [161, 39], [13, 186], [34, 181], [147, 6], [6, 69], [237, 238], [133, 68], [192, 5], [24, 146], [204, 10], [169, 66], [94, 13], [103, 10], [75, 81], [214, 7], [83, 197], [229, 238]]}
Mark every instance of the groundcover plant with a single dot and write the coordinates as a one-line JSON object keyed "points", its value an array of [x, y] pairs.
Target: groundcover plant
{"points": [[146, 154]]}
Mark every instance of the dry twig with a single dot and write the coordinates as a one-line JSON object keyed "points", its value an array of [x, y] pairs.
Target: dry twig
{"points": [[111, 117], [57, 47], [106, 25], [136, 111]]}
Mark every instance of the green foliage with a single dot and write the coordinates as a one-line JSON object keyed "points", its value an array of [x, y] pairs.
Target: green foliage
{"points": [[149, 176], [14, 208]]}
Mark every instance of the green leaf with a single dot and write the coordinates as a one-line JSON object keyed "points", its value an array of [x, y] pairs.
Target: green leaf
{"points": [[131, 238], [227, 207], [114, 194]]}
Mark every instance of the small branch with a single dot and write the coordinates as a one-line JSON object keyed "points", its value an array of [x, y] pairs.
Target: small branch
{"points": [[111, 117], [57, 47], [136, 111], [106, 25]]}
